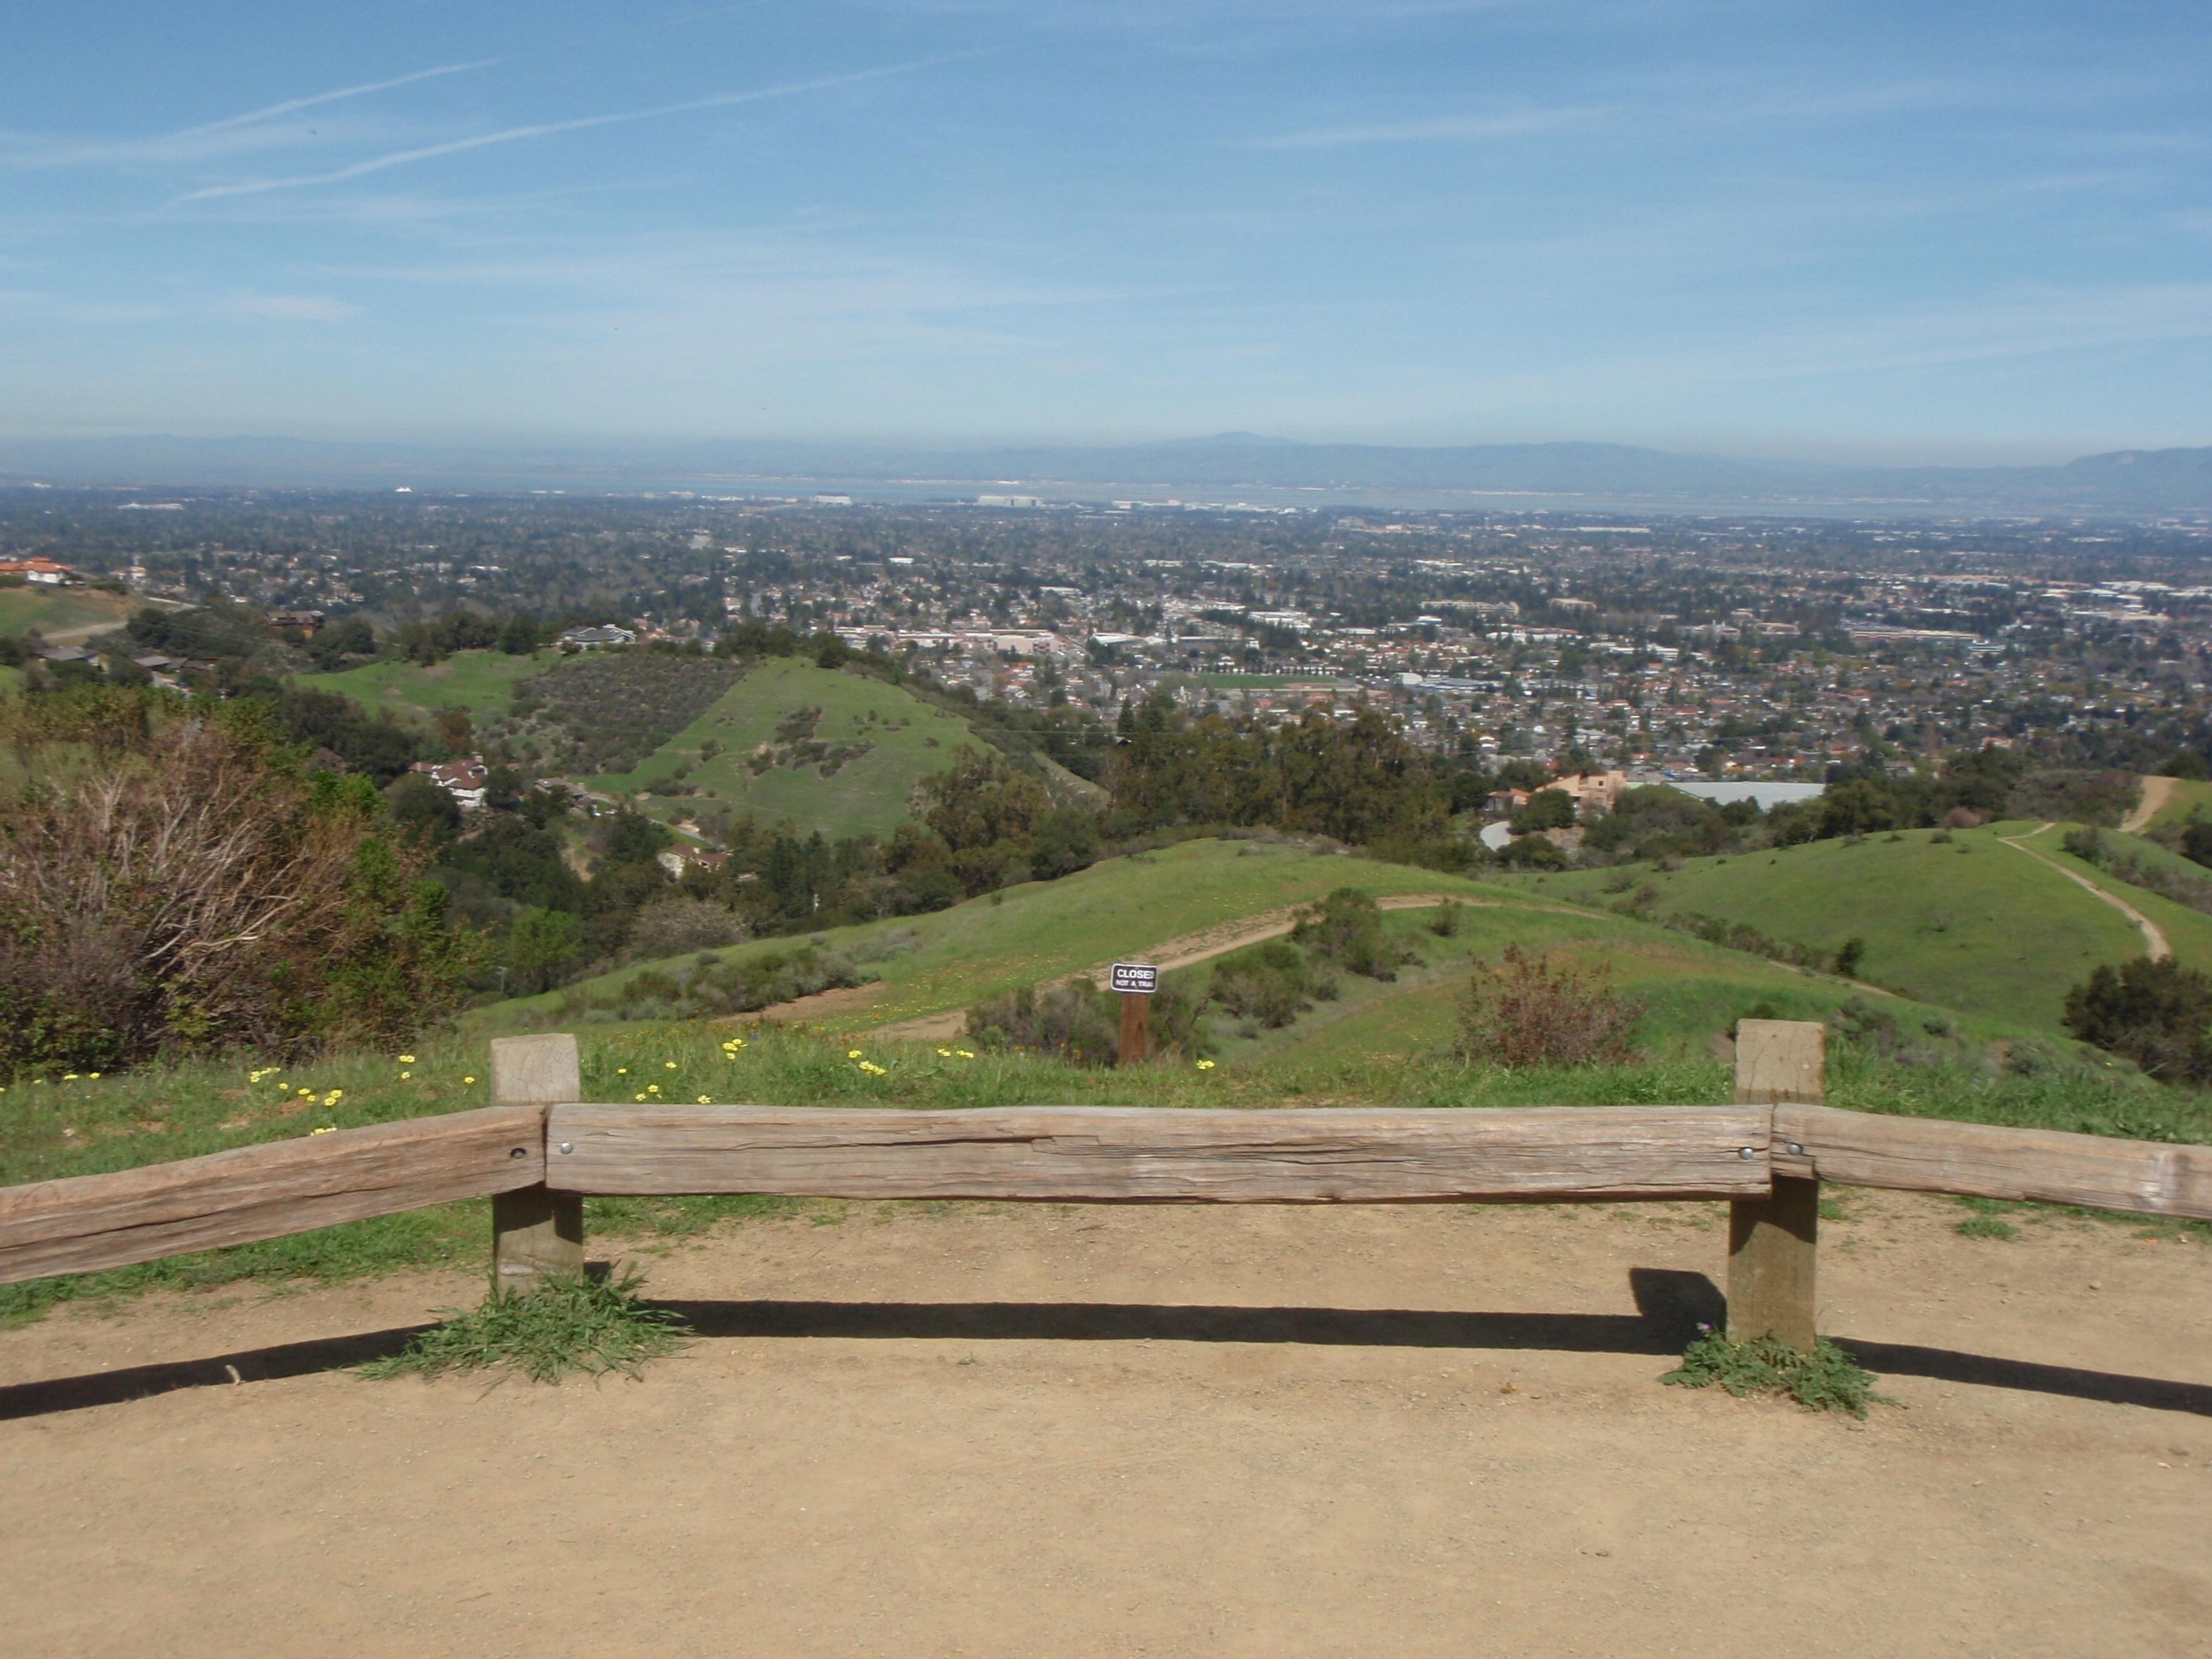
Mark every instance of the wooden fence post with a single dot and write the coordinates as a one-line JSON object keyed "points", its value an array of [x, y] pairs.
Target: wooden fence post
{"points": [[1774, 1241], [1136, 1028], [535, 1233]]}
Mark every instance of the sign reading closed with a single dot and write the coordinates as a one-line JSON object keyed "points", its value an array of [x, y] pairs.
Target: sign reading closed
{"points": [[1137, 978]]}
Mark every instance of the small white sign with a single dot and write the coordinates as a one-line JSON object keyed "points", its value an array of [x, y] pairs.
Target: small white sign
{"points": [[1141, 978]]}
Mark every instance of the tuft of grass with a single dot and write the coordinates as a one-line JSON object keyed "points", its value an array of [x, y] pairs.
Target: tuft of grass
{"points": [[576, 1323], [1826, 1380], [1985, 1226]]}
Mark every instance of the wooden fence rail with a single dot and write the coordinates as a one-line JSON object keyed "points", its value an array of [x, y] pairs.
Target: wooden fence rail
{"points": [[538, 1151]]}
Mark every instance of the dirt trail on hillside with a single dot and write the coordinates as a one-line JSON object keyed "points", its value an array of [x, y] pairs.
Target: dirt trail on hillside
{"points": [[1188, 949], [2156, 792], [2155, 944], [1078, 1432]]}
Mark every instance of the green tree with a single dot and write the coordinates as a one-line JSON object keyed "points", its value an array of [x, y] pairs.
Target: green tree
{"points": [[981, 801], [541, 946]]}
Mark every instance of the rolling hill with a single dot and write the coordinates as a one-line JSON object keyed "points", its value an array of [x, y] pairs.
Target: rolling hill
{"points": [[797, 745], [1213, 894], [806, 747], [1977, 922]]}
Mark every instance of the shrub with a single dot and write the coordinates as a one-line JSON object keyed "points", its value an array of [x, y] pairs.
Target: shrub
{"points": [[1271, 983], [2154, 1012], [678, 925], [169, 882], [1079, 1023], [1528, 1010], [1346, 928]]}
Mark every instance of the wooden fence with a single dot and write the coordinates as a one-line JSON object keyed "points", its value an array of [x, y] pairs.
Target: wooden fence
{"points": [[539, 1152]]}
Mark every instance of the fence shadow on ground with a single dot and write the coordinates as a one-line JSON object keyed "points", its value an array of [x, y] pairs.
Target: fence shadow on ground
{"points": [[1671, 1306]]}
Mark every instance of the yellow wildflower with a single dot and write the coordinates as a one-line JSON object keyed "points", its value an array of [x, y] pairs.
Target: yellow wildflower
{"points": [[326, 1129], [852, 1054], [1204, 1065], [621, 1070], [703, 1101], [68, 1077], [944, 1054], [668, 1065], [641, 1097], [468, 1079], [406, 1059], [404, 1076]]}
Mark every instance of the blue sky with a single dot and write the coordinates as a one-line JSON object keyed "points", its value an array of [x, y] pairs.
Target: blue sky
{"points": [[1957, 231]]}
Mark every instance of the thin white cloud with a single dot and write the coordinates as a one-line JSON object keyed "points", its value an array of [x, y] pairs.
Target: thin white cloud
{"points": [[192, 142], [549, 129], [290, 104]]}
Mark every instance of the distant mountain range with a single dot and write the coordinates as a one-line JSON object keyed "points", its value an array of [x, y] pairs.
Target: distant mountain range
{"points": [[2126, 484]]}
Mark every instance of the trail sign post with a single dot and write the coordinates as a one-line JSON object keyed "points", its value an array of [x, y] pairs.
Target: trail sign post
{"points": [[1136, 982]]}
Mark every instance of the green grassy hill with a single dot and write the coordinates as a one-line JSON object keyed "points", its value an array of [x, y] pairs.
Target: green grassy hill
{"points": [[1128, 907], [482, 682], [804, 747], [54, 610], [1972, 923], [11, 681]]}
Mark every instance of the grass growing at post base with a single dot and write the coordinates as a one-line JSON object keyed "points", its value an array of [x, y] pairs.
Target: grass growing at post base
{"points": [[1826, 1380], [572, 1323]]}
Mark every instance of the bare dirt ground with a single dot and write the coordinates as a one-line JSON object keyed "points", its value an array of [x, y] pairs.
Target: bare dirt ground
{"points": [[1062, 1431], [2149, 804]]}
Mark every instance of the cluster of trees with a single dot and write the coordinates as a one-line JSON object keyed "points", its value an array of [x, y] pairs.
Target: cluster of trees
{"points": [[1357, 781]]}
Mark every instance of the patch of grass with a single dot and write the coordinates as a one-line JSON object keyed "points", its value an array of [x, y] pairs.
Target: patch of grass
{"points": [[1985, 1226], [570, 1324], [1826, 1380], [55, 610], [482, 682]]}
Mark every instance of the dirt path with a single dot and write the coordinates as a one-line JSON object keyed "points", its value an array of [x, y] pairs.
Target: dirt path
{"points": [[2156, 792], [2154, 944], [1121, 1431]]}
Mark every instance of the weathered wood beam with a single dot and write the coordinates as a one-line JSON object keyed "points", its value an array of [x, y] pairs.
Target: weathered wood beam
{"points": [[85, 1224], [1927, 1155], [1136, 1154], [536, 1235], [1774, 1239]]}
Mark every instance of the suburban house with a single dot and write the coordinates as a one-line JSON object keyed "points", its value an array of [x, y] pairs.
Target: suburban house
{"points": [[45, 572], [590, 639], [464, 780]]}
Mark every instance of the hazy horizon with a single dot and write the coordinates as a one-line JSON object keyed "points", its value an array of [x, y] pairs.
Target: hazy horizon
{"points": [[1973, 237]]}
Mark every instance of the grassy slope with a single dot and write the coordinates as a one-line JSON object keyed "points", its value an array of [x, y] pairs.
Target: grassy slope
{"points": [[2189, 796], [480, 682], [11, 680], [1043, 930], [1988, 930], [53, 611], [910, 739]]}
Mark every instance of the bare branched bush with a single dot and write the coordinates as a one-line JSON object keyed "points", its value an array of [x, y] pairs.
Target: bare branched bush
{"points": [[679, 925], [165, 886], [1530, 1011]]}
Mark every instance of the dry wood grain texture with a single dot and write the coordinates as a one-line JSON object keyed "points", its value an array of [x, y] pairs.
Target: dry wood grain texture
{"points": [[1135, 1154], [85, 1224], [1136, 1028], [536, 1234], [1774, 1240], [1861, 1149]]}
